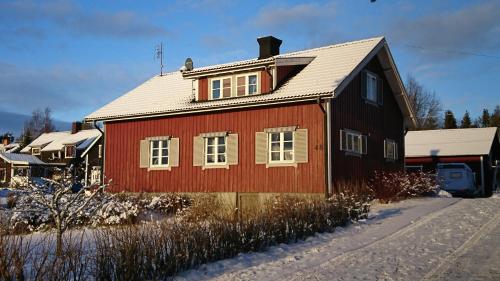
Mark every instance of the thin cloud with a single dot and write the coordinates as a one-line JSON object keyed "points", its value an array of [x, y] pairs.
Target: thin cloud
{"points": [[67, 16], [449, 35]]}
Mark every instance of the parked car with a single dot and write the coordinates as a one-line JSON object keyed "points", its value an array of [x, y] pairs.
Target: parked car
{"points": [[457, 179]]}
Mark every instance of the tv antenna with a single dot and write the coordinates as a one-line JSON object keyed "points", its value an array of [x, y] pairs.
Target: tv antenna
{"points": [[159, 55]]}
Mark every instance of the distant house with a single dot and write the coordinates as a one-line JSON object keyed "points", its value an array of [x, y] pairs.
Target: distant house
{"points": [[479, 148], [8, 145], [20, 166], [280, 123], [78, 148]]}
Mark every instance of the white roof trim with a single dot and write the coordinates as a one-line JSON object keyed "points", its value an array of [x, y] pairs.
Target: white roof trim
{"points": [[91, 145]]}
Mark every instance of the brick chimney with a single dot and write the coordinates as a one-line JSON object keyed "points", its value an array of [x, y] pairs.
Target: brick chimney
{"points": [[6, 141], [268, 46], [76, 127]]}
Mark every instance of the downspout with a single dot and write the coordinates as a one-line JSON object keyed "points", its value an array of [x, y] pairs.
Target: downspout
{"points": [[327, 147], [86, 169], [482, 176], [102, 160]]}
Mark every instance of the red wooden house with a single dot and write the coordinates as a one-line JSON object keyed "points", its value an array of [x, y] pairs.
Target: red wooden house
{"points": [[281, 123]]}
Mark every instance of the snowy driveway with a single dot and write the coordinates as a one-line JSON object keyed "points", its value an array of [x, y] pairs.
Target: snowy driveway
{"points": [[422, 239]]}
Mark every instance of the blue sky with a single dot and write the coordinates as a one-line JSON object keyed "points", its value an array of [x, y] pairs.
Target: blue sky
{"points": [[77, 56]]}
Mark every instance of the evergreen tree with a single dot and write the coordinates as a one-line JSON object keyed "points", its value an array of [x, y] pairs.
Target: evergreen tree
{"points": [[495, 117], [485, 118], [449, 120], [466, 121]]}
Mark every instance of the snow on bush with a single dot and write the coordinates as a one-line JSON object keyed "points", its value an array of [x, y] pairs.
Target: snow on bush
{"points": [[394, 186]]}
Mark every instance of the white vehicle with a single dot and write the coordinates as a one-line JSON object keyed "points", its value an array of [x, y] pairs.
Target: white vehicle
{"points": [[457, 179]]}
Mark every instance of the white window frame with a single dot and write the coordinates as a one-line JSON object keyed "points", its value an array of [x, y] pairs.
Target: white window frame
{"points": [[353, 136], [66, 151], [215, 153], [371, 81], [56, 155], [99, 151], [37, 149], [247, 83], [160, 153], [221, 89], [281, 148], [394, 149]]}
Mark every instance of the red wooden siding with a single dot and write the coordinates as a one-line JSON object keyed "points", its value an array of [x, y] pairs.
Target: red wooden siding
{"points": [[122, 153], [266, 82], [202, 89], [350, 111]]}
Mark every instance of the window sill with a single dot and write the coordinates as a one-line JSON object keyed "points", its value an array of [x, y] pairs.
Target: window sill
{"points": [[225, 166], [355, 154], [390, 160], [374, 103], [167, 168], [273, 165]]}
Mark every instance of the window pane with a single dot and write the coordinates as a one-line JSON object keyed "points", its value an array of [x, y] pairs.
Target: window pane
{"points": [[210, 159], [275, 146], [154, 161], [288, 145], [221, 149], [288, 155], [221, 158], [221, 140], [156, 144], [164, 160], [164, 144], [275, 136], [226, 82], [356, 144], [252, 80], [155, 152], [210, 141], [210, 149], [275, 156], [288, 136], [164, 152], [240, 91], [241, 81], [252, 89], [216, 94], [226, 92], [349, 142], [216, 84]]}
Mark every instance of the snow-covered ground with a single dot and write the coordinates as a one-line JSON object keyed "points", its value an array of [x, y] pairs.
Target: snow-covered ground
{"points": [[430, 238]]}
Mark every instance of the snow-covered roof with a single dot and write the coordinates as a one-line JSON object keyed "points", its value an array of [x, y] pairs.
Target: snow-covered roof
{"points": [[76, 139], [323, 76], [21, 159], [44, 139], [450, 142]]}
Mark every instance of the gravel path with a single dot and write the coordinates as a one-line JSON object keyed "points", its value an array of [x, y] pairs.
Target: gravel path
{"points": [[432, 239]]}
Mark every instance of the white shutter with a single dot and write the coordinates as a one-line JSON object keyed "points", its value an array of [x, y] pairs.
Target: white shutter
{"points": [[396, 152], [385, 148], [144, 154], [232, 149], [198, 151], [301, 149], [261, 148], [343, 141], [174, 152]]}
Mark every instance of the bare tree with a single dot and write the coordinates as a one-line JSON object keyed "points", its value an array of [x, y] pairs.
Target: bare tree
{"points": [[426, 105], [62, 203], [39, 123]]}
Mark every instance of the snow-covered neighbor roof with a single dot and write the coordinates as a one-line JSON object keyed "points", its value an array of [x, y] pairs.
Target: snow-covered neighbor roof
{"points": [[173, 93], [56, 141], [75, 139], [44, 139], [21, 159], [450, 142]]}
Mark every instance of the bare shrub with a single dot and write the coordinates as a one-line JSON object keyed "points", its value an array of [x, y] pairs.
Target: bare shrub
{"points": [[394, 186]]}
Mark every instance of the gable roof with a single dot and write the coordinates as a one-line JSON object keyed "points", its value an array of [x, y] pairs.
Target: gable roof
{"points": [[21, 159], [10, 148], [331, 67], [450, 142], [56, 141]]}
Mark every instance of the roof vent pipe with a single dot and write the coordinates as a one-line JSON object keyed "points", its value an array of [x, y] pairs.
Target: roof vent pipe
{"points": [[269, 46]]}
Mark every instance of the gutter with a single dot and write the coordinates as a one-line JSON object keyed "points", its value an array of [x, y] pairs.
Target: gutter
{"points": [[101, 160], [211, 109]]}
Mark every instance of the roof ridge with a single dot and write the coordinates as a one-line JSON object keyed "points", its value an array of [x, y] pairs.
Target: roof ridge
{"points": [[332, 46]]}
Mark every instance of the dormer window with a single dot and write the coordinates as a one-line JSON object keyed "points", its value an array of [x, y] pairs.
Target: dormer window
{"points": [[35, 151], [234, 86], [70, 151]]}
